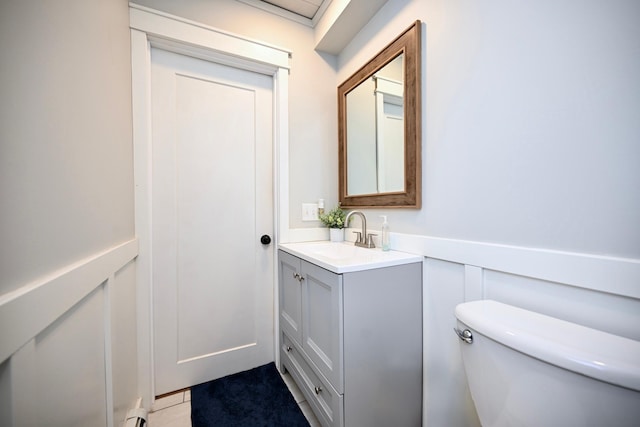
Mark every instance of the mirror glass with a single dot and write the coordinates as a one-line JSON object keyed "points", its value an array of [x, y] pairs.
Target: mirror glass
{"points": [[375, 132], [379, 128]]}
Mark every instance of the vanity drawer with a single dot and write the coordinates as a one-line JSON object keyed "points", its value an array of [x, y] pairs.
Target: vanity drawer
{"points": [[326, 403]]}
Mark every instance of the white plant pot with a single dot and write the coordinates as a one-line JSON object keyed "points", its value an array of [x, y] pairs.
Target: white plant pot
{"points": [[336, 234]]}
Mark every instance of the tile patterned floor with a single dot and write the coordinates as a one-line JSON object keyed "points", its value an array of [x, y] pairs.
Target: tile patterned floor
{"points": [[175, 410]]}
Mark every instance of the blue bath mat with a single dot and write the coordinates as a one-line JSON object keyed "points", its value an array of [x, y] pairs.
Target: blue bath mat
{"points": [[255, 398]]}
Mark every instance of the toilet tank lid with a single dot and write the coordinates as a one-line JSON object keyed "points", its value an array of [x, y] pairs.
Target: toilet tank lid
{"points": [[596, 354]]}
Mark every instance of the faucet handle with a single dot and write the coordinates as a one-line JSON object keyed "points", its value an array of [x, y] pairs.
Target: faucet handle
{"points": [[369, 241], [358, 236]]}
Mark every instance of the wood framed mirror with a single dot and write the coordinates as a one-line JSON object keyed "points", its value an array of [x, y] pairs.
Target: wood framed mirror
{"points": [[379, 128]]}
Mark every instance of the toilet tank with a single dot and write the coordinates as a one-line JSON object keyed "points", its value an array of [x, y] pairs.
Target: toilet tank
{"points": [[526, 369]]}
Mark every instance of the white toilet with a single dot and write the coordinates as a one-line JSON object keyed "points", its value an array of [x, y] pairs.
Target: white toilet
{"points": [[529, 370]]}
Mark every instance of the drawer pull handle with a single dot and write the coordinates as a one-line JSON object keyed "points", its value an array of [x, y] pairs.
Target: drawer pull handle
{"points": [[289, 349], [317, 390]]}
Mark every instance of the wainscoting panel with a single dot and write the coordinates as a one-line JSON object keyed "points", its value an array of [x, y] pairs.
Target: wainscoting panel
{"points": [[473, 283], [597, 292], [69, 367], [5, 393], [446, 397], [68, 344], [611, 313], [124, 340]]}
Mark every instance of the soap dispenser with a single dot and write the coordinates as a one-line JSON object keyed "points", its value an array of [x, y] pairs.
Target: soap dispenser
{"points": [[385, 233]]}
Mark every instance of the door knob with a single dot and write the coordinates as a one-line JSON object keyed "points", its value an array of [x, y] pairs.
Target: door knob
{"points": [[265, 239]]}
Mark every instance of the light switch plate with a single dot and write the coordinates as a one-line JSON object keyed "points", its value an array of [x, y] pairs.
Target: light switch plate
{"points": [[310, 212]]}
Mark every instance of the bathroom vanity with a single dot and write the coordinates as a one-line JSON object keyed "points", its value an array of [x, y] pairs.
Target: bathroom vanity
{"points": [[351, 332]]}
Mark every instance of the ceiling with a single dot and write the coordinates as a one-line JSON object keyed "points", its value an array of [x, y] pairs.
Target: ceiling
{"points": [[305, 8], [343, 20]]}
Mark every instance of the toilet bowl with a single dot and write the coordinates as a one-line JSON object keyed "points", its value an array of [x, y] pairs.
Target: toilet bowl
{"points": [[525, 369]]}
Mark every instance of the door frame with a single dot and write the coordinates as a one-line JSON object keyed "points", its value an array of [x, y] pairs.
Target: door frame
{"points": [[152, 28]]}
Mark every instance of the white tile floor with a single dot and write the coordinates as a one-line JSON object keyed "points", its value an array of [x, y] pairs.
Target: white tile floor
{"points": [[175, 410], [171, 411]]}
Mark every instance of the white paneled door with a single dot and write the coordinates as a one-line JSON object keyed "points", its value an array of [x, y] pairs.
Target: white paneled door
{"points": [[212, 200]]}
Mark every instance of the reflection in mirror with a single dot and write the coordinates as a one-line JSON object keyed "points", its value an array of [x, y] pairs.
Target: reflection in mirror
{"points": [[375, 135], [379, 128]]}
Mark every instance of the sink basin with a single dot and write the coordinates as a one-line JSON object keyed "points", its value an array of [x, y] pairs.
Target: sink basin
{"points": [[337, 251], [345, 257]]}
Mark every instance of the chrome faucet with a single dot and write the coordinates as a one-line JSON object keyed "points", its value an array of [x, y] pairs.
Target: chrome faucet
{"points": [[363, 239]]}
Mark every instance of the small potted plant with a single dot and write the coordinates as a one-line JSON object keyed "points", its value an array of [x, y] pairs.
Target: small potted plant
{"points": [[334, 219]]}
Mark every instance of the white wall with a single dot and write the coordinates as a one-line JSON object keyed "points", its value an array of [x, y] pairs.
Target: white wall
{"points": [[67, 275], [530, 177], [530, 121]]}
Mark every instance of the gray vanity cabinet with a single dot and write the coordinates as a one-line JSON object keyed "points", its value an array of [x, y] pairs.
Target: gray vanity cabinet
{"points": [[353, 341], [310, 314]]}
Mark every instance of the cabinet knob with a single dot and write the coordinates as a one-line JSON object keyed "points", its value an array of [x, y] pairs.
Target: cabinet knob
{"points": [[317, 389], [289, 349], [298, 277]]}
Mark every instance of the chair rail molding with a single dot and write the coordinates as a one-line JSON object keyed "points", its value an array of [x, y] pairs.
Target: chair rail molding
{"points": [[49, 297], [618, 276]]}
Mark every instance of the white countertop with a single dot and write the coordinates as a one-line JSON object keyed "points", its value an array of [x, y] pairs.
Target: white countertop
{"points": [[345, 257]]}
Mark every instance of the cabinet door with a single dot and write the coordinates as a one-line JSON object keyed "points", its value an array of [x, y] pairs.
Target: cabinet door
{"points": [[290, 296], [322, 321]]}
